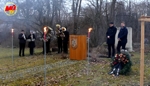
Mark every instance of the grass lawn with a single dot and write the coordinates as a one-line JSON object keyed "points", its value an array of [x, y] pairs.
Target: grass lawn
{"points": [[68, 72]]}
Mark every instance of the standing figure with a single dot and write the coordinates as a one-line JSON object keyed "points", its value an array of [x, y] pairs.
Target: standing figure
{"points": [[65, 39], [122, 37], [59, 38], [111, 32], [48, 39], [22, 42], [31, 44]]}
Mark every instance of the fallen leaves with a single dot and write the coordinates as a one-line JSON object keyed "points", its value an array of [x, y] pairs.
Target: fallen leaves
{"points": [[75, 74]]}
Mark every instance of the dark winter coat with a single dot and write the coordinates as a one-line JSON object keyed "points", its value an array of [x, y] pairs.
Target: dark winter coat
{"points": [[21, 38], [31, 43], [123, 34], [66, 38], [111, 32]]}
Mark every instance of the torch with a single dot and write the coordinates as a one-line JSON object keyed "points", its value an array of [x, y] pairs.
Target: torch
{"points": [[12, 32], [45, 54], [89, 31]]}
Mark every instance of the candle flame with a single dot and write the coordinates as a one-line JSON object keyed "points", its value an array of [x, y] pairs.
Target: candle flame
{"points": [[90, 29], [45, 29], [12, 30]]}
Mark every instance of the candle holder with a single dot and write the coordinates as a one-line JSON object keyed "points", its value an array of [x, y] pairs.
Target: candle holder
{"points": [[12, 31], [45, 55], [88, 59]]}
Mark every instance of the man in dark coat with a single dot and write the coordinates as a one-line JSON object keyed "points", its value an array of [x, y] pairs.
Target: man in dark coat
{"points": [[111, 32], [22, 42], [31, 44], [65, 41], [122, 37]]}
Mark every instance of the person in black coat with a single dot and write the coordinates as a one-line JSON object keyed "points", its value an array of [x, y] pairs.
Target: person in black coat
{"points": [[111, 32], [22, 42], [48, 40], [122, 37], [59, 38], [31, 44], [65, 40]]}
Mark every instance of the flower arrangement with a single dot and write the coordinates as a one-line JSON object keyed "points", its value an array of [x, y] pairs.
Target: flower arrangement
{"points": [[121, 64], [120, 58]]}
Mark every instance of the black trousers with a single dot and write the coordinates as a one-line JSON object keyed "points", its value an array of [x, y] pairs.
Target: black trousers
{"points": [[65, 47], [111, 50], [59, 44], [31, 50], [47, 47], [21, 48], [120, 44]]}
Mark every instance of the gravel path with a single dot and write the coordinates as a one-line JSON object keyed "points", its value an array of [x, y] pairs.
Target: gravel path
{"points": [[37, 69]]}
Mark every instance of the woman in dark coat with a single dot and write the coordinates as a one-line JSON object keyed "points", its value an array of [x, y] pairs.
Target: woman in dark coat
{"points": [[31, 44]]}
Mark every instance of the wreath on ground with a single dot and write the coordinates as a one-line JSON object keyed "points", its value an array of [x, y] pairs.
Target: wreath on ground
{"points": [[124, 59]]}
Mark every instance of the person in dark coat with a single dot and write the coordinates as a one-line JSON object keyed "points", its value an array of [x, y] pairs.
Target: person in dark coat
{"points": [[22, 42], [59, 38], [111, 32], [31, 44], [122, 37], [48, 40], [65, 40]]}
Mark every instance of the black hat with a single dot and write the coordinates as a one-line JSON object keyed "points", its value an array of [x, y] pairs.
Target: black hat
{"points": [[111, 23]]}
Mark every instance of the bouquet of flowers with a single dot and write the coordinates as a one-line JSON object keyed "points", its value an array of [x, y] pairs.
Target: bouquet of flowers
{"points": [[121, 64]]}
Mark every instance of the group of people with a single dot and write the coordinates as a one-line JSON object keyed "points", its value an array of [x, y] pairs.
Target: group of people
{"points": [[22, 42], [122, 38], [122, 41], [62, 40]]}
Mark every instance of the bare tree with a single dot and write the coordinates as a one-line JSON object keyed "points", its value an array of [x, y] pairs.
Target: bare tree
{"points": [[76, 8]]}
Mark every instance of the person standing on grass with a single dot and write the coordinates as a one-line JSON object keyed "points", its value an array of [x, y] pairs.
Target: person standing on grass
{"points": [[65, 40], [48, 39], [22, 42], [59, 38], [111, 32], [122, 37], [31, 44]]}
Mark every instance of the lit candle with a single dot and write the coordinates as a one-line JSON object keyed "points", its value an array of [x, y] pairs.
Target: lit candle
{"points": [[45, 54], [12, 31], [89, 30], [45, 33]]}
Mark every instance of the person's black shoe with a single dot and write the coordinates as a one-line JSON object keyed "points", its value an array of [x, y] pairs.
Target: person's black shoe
{"points": [[117, 74], [110, 73]]}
